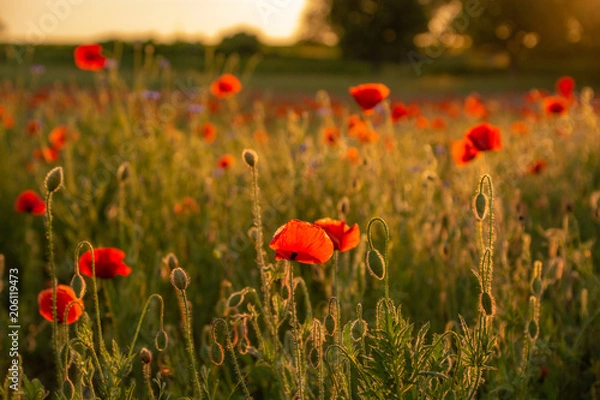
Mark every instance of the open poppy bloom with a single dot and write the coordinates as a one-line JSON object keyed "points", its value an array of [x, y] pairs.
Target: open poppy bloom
{"points": [[208, 131], [226, 161], [537, 167], [399, 111], [64, 296], [565, 85], [88, 57], [303, 242], [555, 105], [58, 137], [109, 263], [368, 95], [29, 202], [342, 236], [485, 137], [463, 151], [225, 86]]}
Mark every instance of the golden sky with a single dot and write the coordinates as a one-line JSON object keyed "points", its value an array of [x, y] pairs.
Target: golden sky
{"points": [[78, 21]]}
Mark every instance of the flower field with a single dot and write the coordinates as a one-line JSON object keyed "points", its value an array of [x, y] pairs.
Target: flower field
{"points": [[171, 237]]}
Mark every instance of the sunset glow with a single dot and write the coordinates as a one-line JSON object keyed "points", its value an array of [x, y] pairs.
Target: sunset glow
{"points": [[52, 21]]}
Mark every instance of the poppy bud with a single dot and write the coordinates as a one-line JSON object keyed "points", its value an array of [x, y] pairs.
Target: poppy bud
{"points": [[171, 261], [235, 299], [78, 285], [123, 172], [376, 264], [179, 279], [217, 354], [146, 356], [286, 292], [358, 330], [250, 157], [54, 180], [161, 340], [480, 206], [532, 329], [313, 358], [330, 324], [343, 206], [487, 303], [536, 286]]}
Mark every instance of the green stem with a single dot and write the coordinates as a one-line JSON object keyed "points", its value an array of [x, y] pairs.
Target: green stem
{"points": [[190, 346], [385, 252], [144, 311], [231, 350], [334, 269], [486, 178], [55, 345], [297, 338], [259, 249]]}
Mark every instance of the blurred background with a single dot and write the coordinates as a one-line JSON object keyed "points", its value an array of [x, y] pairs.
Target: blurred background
{"points": [[419, 46]]}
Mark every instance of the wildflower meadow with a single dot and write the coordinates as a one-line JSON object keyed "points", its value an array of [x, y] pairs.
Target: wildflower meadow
{"points": [[207, 241]]}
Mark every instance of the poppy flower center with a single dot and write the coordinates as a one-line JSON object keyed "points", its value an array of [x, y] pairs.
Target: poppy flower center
{"points": [[225, 87], [293, 255]]}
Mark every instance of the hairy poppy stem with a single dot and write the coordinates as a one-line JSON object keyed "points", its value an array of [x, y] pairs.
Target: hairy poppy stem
{"points": [[231, 350], [296, 335], [190, 346], [144, 312], [59, 369], [385, 252]]}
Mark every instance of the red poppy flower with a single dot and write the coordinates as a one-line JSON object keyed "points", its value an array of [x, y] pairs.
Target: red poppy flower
{"points": [[33, 127], [537, 167], [261, 136], [303, 242], [58, 137], [109, 263], [331, 135], [88, 57], [368, 95], [485, 137], [463, 151], [555, 105], [225, 86], [29, 202], [565, 85], [45, 154], [474, 107], [226, 161], [353, 155], [399, 111], [64, 296], [344, 237], [519, 128], [422, 122], [209, 131]]}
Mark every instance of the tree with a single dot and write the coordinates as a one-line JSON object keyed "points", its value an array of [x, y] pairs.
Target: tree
{"points": [[551, 27], [372, 30], [243, 43]]}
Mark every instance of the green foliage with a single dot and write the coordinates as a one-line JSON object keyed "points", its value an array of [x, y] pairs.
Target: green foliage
{"points": [[241, 43], [238, 324], [377, 31]]}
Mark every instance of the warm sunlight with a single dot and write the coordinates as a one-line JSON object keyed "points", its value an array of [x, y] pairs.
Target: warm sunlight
{"points": [[88, 20]]}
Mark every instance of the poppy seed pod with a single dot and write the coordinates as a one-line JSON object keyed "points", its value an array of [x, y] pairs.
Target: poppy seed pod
{"points": [[54, 180], [179, 279], [250, 157]]}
